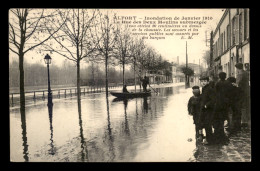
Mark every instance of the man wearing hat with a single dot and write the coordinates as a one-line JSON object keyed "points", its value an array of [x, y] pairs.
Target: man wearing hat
{"points": [[207, 108], [243, 84], [223, 88]]}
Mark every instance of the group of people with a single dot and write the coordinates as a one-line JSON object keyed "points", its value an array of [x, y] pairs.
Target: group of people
{"points": [[210, 108]]}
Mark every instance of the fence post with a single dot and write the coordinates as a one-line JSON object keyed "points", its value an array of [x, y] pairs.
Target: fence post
{"points": [[70, 93], [84, 91], [34, 95], [43, 95], [59, 93], [65, 93]]}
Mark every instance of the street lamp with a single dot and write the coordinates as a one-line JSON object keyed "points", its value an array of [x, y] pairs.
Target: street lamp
{"points": [[47, 60]]}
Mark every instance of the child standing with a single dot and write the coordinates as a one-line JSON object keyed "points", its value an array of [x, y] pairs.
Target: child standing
{"points": [[194, 109]]}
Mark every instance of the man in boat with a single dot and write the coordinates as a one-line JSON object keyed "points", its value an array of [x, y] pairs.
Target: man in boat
{"points": [[125, 89], [145, 82]]}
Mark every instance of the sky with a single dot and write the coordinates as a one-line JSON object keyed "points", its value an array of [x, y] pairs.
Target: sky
{"points": [[169, 48]]}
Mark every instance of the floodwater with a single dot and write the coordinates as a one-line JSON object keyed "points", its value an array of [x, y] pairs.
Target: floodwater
{"points": [[100, 129]]}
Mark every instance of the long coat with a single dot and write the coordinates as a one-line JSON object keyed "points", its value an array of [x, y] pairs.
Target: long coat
{"points": [[207, 105], [194, 108], [223, 99], [243, 84]]}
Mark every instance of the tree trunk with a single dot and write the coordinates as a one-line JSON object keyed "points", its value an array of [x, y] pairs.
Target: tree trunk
{"points": [[123, 72], [78, 80], [23, 121], [93, 74], [134, 74], [106, 65], [22, 93]]}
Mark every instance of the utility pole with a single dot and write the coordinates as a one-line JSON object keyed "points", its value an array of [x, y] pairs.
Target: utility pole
{"points": [[187, 78]]}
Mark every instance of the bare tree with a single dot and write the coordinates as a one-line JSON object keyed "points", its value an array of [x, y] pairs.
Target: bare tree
{"points": [[104, 35], [123, 46], [73, 40], [206, 57], [137, 47], [24, 25]]}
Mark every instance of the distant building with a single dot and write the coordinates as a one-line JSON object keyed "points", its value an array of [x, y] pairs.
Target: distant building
{"points": [[157, 76], [198, 69]]}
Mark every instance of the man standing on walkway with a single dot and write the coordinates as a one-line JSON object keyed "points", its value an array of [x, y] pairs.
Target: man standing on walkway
{"points": [[235, 105], [207, 108], [243, 84]]}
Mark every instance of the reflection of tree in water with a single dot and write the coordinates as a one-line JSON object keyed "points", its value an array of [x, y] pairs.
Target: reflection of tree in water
{"points": [[24, 137], [111, 140], [127, 131], [132, 134], [52, 151], [84, 157], [145, 104]]}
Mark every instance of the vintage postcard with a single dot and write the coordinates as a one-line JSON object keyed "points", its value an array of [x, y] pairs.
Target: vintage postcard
{"points": [[129, 85]]}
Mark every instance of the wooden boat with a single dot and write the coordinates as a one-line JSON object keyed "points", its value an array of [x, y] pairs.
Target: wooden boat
{"points": [[130, 94]]}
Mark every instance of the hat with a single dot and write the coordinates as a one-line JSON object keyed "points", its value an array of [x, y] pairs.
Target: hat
{"points": [[239, 65], [204, 78], [195, 87], [222, 75]]}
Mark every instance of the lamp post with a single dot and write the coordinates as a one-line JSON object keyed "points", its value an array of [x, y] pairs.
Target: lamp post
{"points": [[47, 60]]}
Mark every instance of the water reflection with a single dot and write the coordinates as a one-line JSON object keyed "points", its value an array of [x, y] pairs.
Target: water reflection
{"points": [[111, 140], [52, 151], [127, 131], [24, 137], [84, 150], [124, 130], [145, 104]]}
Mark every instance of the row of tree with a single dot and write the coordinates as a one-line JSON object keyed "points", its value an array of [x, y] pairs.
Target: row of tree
{"points": [[89, 35], [36, 74]]}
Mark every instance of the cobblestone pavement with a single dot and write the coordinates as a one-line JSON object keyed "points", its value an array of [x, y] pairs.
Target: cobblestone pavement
{"points": [[238, 149]]}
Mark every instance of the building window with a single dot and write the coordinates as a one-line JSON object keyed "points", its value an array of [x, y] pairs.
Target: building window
{"points": [[234, 30], [221, 44], [240, 28], [228, 36], [224, 41], [245, 24]]}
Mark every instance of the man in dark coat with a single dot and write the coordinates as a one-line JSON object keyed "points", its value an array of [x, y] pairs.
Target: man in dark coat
{"points": [[125, 89], [207, 108], [223, 88], [145, 82], [194, 109], [235, 104], [243, 84]]}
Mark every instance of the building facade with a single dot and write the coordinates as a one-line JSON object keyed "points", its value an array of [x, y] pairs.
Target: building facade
{"points": [[231, 42]]}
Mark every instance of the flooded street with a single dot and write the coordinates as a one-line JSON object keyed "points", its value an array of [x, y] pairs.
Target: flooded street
{"points": [[156, 128]]}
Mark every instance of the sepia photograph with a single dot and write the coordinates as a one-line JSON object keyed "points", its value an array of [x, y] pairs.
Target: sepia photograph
{"points": [[129, 85]]}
